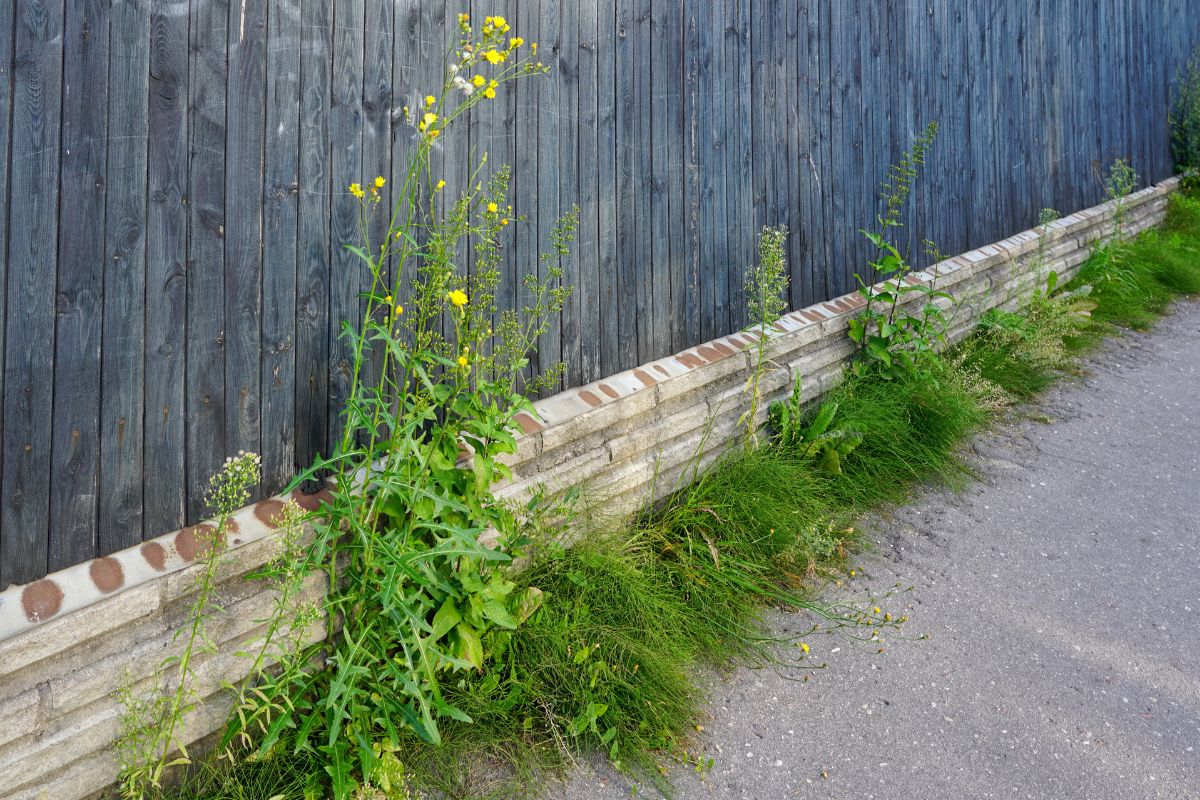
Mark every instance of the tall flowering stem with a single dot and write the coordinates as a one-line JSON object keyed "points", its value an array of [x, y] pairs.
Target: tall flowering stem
{"points": [[416, 593]]}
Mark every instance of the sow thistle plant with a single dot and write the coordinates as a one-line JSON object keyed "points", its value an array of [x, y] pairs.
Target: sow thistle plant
{"points": [[414, 546]]}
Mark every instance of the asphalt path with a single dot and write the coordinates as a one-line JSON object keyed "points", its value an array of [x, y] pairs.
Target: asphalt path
{"points": [[1061, 594]]}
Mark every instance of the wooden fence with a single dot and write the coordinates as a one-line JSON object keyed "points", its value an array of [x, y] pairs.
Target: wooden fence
{"points": [[175, 200]]}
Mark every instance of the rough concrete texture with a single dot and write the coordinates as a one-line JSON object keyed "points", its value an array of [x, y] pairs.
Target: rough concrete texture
{"points": [[1061, 592]]}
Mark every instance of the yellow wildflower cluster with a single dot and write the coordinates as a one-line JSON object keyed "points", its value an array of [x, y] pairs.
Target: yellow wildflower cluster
{"points": [[494, 25], [356, 189], [428, 125]]}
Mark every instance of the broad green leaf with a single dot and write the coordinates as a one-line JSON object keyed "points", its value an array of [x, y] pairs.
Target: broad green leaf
{"points": [[469, 648], [496, 611], [445, 619]]}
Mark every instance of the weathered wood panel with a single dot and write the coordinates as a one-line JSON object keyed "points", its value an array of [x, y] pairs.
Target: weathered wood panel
{"points": [[74, 462], [35, 160], [174, 176]]}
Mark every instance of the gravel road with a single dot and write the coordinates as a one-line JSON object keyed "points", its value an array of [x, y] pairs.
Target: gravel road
{"points": [[1061, 594]]}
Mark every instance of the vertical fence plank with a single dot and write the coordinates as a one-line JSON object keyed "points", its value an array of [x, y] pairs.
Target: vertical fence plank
{"points": [[548, 128], [33, 224], [280, 276], [122, 434], [608, 207], [658, 85], [74, 465], [588, 242], [7, 16], [205, 392], [740, 185], [347, 272], [667, 195], [166, 269], [625, 101], [376, 132], [244, 157], [568, 188], [691, 178], [313, 235], [706, 165], [719, 165]]}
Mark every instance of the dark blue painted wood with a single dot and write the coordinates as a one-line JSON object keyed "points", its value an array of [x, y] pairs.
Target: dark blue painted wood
{"points": [[205, 385], [281, 206], [166, 265], [123, 477], [75, 451], [32, 210], [192, 305]]}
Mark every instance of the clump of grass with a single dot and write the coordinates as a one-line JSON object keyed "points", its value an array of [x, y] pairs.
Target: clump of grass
{"points": [[1134, 282], [910, 427], [294, 776]]}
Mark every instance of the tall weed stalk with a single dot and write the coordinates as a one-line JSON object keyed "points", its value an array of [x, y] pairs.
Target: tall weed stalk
{"points": [[415, 547]]}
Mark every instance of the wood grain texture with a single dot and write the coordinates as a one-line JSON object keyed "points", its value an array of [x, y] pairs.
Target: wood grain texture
{"points": [[75, 451], [166, 269], [280, 247], [313, 236], [31, 309], [123, 476], [244, 201], [175, 178], [205, 383], [7, 15]]}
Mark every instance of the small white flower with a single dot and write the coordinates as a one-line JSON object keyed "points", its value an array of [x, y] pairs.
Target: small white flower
{"points": [[463, 85]]}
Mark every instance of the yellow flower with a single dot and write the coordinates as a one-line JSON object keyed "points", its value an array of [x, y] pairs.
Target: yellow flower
{"points": [[877, 610], [489, 93], [379, 182], [440, 185], [515, 42], [427, 120], [457, 298], [462, 361], [533, 49], [479, 80], [357, 190], [399, 309], [504, 221], [464, 19], [495, 56], [804, 647], [492, 208], [500, 22], [388, 299], [430, 100]]}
